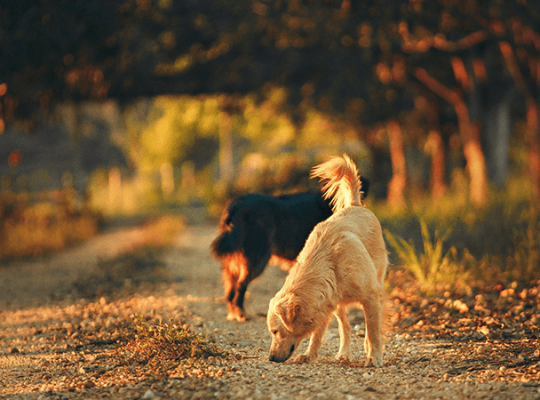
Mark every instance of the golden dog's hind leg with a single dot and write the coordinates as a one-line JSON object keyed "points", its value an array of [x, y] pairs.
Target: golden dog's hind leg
{"points": [[344, 352], [315, 343], [373, 343]]}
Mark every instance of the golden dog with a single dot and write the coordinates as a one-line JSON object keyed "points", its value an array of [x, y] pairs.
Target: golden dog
{"points": [[343, 263]]}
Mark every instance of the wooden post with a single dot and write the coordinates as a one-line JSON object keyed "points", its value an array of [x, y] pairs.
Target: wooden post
{"points": [[167, 180], [115, 189]]}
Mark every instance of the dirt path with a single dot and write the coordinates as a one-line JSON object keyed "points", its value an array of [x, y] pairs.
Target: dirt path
{"points": [[37, 282], [57, 345]]}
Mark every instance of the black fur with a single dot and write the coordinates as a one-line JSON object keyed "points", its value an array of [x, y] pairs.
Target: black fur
{"points": [[254, 227]]}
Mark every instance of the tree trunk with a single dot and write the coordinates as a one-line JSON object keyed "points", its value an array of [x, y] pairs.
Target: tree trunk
{"points": [[438, 167], [497, 125], [436, 150], [470, 134], [533, 116], [397, 184], [472, 149]]}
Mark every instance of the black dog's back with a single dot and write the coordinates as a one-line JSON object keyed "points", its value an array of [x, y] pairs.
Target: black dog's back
{"points": [[286, 220], [296, 216]]}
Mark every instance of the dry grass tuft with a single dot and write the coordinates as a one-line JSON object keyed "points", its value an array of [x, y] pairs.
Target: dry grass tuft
{"points": [[165, 347]]}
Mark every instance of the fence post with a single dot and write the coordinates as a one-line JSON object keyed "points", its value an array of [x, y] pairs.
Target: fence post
{"points": [[225, 150], [115, 189], [167, 180]]}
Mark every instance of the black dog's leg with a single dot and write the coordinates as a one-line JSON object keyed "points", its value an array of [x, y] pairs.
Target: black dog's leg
{"points": [[234, 269], [254, 271], [240, 295], [257, 253], [230, 293], [230, 283]]}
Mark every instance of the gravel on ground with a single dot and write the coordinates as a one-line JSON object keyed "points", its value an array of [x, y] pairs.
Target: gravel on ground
{"points": [[63, 322]]}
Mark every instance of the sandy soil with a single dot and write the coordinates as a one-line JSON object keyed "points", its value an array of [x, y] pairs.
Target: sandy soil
{"points": [[61, 323]]}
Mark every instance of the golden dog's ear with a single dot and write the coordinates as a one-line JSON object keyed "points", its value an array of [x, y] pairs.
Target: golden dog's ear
{"points": [[287, 310], [281, 311]]}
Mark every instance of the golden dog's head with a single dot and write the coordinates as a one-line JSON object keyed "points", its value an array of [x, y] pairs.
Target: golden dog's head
{"points": [[287, 325]]}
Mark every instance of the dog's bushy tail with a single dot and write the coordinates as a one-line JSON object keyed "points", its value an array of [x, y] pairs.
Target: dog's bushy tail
{"points": [[340, 182], [228, 240], [223, 245]]}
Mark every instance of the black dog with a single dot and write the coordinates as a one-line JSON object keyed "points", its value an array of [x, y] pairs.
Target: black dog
{"points": [[255, 227]]}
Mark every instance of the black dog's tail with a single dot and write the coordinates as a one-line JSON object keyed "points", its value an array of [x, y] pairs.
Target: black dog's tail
{"points": [[228, 240], [222, 245], [341, 182]]}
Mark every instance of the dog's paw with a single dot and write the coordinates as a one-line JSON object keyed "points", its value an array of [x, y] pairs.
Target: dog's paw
{"points": [[343, 356], [240, 317], [304, 359], [374, 362]]}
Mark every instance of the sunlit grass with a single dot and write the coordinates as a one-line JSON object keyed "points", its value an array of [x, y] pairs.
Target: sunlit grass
{"points": [[164, 347], [161, 231], [525, 260], [497, 244], [432, 266], [33, 229]]}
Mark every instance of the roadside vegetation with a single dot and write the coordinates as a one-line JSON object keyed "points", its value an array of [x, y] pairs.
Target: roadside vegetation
{"points": [[34, 228], [466, 247], [58, 220]]}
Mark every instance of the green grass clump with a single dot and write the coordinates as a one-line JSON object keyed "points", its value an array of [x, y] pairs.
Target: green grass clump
{"points": [[432, 267]]}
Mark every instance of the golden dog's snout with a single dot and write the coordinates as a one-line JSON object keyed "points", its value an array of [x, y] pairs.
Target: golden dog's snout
{"points": [[281, 359]]}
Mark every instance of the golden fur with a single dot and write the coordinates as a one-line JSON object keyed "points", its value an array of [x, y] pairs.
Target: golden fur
{"points": [[343, 263]]}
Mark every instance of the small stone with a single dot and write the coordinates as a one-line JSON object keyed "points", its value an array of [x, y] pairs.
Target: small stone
{"points": [[148, 395], [483, 349], [484, 330]]}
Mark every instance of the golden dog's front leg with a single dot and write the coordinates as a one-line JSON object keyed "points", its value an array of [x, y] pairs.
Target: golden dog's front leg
{"points": [[315, 343]]}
